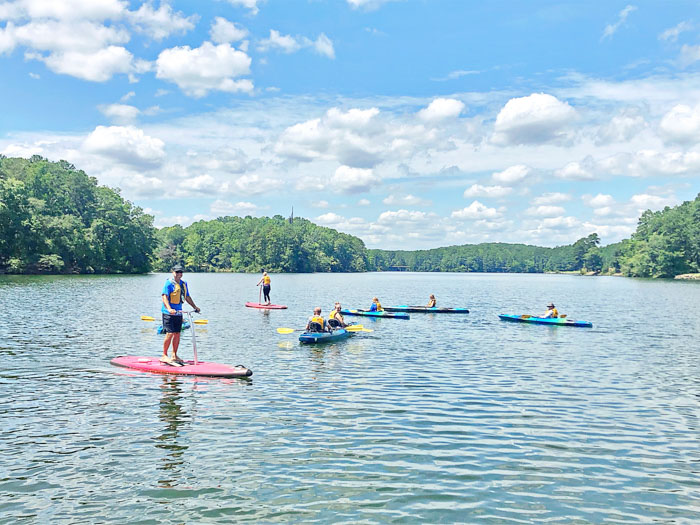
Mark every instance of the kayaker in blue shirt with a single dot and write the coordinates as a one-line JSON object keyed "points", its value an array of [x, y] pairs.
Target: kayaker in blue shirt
{"points": [[551, 313], [175, 293], [376, 306]]}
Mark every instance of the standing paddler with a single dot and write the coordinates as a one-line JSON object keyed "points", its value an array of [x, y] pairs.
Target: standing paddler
{"points": [[175, 293]]}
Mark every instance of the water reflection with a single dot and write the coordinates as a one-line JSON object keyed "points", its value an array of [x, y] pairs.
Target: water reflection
{"points": [[173, 416]]}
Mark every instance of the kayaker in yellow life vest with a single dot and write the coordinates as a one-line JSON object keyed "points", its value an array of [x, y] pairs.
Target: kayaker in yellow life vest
{"points": [[432, 302], [376, 306], [336, 316], [552, 312], [315, 321]]}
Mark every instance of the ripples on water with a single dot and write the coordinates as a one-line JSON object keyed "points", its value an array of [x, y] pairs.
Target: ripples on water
{"points": [[436, 419]]}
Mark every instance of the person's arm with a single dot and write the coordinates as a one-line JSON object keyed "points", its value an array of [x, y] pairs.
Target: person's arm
{"points": [[191, 302], [260, 281], [167, 304]]}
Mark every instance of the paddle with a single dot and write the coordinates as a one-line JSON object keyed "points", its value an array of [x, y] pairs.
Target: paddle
{"points": [[196, 321], [525, 316], [357, 328], [350, 328]]}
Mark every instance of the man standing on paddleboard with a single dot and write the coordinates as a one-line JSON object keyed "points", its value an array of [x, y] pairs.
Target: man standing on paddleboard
{"points": [[175, 293]]}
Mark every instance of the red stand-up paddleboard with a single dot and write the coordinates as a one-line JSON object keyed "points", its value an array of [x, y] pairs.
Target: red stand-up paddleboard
{"points": [[190, 368], [266, 306]]}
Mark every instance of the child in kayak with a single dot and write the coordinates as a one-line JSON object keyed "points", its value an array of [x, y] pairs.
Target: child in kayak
{"points": [[316, 322], [551, 313], [376, 306], [432, 302]]}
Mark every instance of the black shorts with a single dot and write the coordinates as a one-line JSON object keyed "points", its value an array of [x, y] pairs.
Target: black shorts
{"points": [[172, 324]]}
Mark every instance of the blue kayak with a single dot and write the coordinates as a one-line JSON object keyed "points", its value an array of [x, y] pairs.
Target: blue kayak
{"points": [[382, 314], [324, 337], [185, 326], [557, 321], [426, 309]]}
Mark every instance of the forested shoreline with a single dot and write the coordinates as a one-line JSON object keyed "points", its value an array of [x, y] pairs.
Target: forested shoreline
{"points": [[56, 219]]}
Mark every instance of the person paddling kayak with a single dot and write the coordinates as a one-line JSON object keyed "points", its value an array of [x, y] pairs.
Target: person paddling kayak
{"points": [[335, 319], [432, 302], [376, 306], [316, 322], [175, 293], [265, 281], [551, 313]]}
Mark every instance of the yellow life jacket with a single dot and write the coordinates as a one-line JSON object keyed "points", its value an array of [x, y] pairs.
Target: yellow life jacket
{"points": [[555, 313], [179, 293], [320, 320], [379, 306], [332, 314], [266, 280]]}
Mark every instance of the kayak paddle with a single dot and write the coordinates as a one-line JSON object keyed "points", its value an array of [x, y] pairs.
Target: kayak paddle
{"points": [[196, 321], [350, 328]]}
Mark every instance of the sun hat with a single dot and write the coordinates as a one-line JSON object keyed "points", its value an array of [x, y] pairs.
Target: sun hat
{"points": [[178, 268], [550, 305]]}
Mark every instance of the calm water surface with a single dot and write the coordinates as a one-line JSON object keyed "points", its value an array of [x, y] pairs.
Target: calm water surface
{"points": [[436, 419]]}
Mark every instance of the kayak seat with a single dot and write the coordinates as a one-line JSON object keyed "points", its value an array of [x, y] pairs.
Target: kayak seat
{"points": [[333, 323], [315, 327]]}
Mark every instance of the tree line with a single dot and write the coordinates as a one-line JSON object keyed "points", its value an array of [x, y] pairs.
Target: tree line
{"points": [[56, 219]]}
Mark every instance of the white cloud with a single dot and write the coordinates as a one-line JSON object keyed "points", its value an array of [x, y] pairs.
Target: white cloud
{"points": [[577, 170], [127, 145], [352, 180], [551, 198], [329, 219], [611, 29], [363, 202], [511, 175], [689, 54], [120, 113], [289, 44], [222, 31], [248, 4], [681, 125], [162, 22], [367, 4], [206, 68], [545, 211], [622, 127], [673, 33], [598, 201], [319, 204], [537, 118], [64, 9], [476, 210], [441, 109], [645, 201], [477, 190], [222, 208], [98, 66], [405, 200]]}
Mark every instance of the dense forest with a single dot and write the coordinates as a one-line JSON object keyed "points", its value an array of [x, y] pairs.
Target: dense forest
{"points": [[56, 219]]}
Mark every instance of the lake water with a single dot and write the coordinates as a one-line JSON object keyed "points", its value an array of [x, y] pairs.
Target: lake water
{"points": [[437, 419]]}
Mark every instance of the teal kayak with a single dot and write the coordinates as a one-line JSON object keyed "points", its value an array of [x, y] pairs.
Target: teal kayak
{"points": [[185, 326], [426, 309], [324, 337], [557, 321], [382, 314]]}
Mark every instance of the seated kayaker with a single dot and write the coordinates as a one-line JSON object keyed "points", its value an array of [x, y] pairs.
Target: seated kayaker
{"points": [[551, 313], [376, 306], [335, 319], [432, 302], [316, 322]]}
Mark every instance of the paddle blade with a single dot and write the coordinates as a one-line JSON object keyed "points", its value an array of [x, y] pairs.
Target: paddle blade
{"points": [[200, 321], [357, 328], [147, 318], [285, 330], [562, 316]]}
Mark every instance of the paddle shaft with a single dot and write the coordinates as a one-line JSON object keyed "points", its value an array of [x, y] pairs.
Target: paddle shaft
{"points": [[194, 337]]}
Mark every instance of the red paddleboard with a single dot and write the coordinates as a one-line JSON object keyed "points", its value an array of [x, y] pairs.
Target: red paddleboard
{"points": [[202, 368], [266, 306]]}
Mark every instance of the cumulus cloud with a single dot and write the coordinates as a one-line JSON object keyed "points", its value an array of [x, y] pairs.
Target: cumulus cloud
{"points": [[577, 170], [223, 32], [162, 22], [477, 190], [622, 127], [681, 125], [127, 145], [120, 113], [545, 211], [222, 208], [551, 198], [535, 119], [405, 200], [476, 210], [352, 180], [611, 29], [206, 68], [290, 44], [441, 109], [511, 175]]}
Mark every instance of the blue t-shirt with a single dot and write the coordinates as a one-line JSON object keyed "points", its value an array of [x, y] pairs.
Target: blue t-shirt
{"points": [[168, 288]]}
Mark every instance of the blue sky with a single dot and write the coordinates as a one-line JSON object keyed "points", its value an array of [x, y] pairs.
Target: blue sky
{"points": [[409, 123]]}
